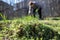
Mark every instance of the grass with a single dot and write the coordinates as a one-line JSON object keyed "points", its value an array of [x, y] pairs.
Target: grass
{"points": [[30, 28]]}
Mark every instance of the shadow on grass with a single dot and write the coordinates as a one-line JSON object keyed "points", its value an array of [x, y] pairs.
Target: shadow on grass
{"points": [[39, 31]]}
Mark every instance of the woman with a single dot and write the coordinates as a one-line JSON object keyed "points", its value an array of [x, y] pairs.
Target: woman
{"points": [[35, 7]]}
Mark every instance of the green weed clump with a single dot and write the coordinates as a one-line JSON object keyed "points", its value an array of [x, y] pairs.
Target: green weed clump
{"points": [[3, 17], [29, 28]]}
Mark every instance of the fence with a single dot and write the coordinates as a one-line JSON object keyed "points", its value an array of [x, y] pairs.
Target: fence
{"points": [[18, 8]]}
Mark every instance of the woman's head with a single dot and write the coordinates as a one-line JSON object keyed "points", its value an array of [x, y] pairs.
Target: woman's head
{"points": [[31, 3]]}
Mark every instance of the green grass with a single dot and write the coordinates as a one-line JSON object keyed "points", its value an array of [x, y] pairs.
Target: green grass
{"points": [[22, 28]]}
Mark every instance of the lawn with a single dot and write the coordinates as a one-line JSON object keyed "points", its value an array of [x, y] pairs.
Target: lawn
{"points": [[30, 28]]}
